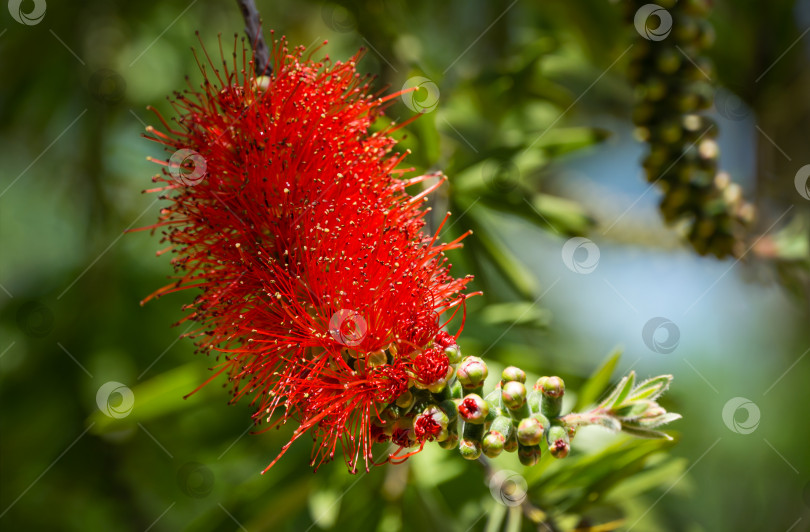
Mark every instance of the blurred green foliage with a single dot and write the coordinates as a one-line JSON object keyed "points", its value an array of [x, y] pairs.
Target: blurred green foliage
{"points": [[526, 91]]}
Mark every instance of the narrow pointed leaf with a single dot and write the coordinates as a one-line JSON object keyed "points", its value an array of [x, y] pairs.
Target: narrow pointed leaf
{"points": [[598, 381], [645, 433], [651, 388]]}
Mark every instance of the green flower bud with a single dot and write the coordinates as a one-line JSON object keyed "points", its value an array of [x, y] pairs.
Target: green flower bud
{"points": [[529, 455], [497, 439], [473, 409], [513, 373], [493, 443], [472, 372], [553, 387], [513, 395], [453, 353], [469, 449], [441, 384], [530, 431], [511, 444], [405, 400], [558, 441], [538, 386], [542, 419], [470, 444], [452, 439]]}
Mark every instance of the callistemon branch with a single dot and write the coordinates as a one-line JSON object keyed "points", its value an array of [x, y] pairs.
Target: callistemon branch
{"points": [[320, 295], [513, 418]]}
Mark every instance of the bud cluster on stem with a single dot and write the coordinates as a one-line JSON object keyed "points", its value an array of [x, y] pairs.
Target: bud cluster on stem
{"points": [[511, 418]]}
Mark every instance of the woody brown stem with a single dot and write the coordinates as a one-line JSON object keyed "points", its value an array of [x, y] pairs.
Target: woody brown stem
{"points": [[253, 29]]}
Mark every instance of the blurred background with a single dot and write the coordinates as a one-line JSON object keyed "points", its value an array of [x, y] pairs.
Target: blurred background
{"points": [[527, 109]]}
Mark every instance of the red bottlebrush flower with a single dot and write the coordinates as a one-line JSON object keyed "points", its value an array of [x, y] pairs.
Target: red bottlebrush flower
{"points": [[317, 286], [431, 366], [444, 339]]}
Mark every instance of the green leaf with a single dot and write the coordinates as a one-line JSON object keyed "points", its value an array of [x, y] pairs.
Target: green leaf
{"points": [[495, 518], [620, 393], [515, 519], [639, 432], [580, 480], [561, 140], [516, 313], [663, 419], [651, 388], [157, 397], [662, 473], [632, 410], [598, 381], [565, 215], [503, 259]]}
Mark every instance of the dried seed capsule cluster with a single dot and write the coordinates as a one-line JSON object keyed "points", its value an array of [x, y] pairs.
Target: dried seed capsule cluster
{"points": [[674, 85]]}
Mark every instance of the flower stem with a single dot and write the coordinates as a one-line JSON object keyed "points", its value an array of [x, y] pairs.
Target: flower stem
{"points": [[253, 29]]}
